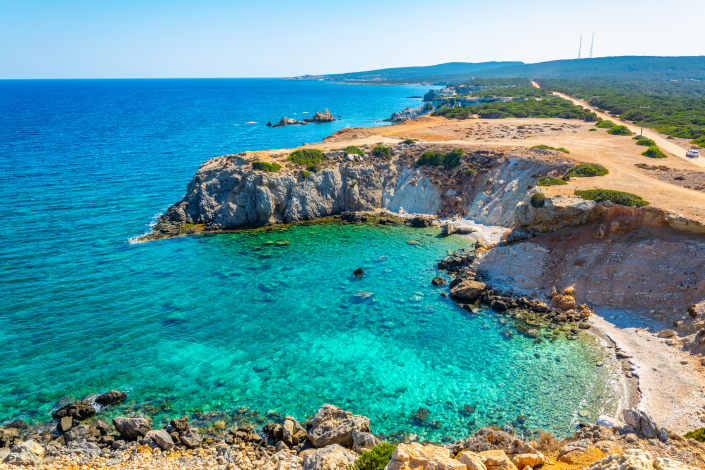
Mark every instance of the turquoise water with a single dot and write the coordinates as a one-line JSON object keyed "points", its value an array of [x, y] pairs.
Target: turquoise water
{"points": [[215, 323]]}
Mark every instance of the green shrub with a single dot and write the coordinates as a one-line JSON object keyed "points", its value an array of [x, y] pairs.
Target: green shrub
{"points": [[654, 152], [618, 197], [698, 435], [354, 150], [538, 200], [605, 124], [376, 458], [382, 151], [306, 156], [448, 160], [550, 181], [699, 142], [266, 166], [313, 168], [409, 142], [586, 170], [305, 173], [560, 149], [469, 171], [645, 141], [620, 130], [353, 184], [593, 130]]}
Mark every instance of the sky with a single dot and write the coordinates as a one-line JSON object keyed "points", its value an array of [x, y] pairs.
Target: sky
{"points": [[276, 38]]}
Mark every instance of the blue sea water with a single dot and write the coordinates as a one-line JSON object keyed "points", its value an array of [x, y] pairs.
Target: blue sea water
{"points": [[217, 323]]}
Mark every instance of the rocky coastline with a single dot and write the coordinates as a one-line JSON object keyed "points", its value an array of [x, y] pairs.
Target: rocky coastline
{"points": [[332, 438]]}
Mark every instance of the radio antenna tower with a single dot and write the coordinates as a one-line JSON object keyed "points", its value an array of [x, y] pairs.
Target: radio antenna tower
{"points": [[591, 42], [580, 47]]}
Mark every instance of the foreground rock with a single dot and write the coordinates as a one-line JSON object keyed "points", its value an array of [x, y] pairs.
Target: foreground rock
{"points": [[467, 291], [131, 428], [332, 457], [79, 410], [430, 457], [332, 425], [636, 459]]}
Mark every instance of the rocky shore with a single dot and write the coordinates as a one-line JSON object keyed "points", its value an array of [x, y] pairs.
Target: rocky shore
{"points": [[332, 439]]}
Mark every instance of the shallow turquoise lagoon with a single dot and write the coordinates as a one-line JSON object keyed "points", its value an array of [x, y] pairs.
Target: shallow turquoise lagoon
{"points": [[215, 323]]}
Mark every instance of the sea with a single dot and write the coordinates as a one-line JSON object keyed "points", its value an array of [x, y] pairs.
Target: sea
{"points": [[253, 325]]}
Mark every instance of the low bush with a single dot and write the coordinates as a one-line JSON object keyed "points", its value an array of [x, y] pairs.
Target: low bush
{"points": [[560, 149], [464, 112], [448, 160], [654, 152], [266, 166], [354, 150], [593, 130], [353, 184], [699, 142], [617, 197], [605, 124], [469, 171], [409, 142], [698, 435], [538, 200], [586, 170], [313, 168], [376, 458], [550, 181], [305, 174], [382, 151], [306, 156], [645, 141], [620, 130]]}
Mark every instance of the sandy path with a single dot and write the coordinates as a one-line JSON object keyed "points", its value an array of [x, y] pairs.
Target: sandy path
{"points": [[667, 145]]}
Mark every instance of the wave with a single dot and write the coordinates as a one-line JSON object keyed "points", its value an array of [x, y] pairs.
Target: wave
{"points": [[150, 226]]}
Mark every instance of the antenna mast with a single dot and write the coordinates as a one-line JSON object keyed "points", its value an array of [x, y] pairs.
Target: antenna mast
{"points": [[591, 42], [580, 47]]}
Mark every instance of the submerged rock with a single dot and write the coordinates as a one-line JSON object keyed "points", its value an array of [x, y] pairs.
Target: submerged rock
{"points": [[111, 398]]}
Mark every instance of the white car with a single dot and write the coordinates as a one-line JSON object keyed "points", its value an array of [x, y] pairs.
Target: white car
{"points": [[692, 153]]}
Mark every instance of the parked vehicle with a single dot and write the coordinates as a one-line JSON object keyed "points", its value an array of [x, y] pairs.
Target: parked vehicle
{"points": [[692, 153]]}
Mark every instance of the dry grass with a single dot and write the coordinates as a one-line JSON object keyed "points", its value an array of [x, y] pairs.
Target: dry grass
{"points": [[547, 443]]}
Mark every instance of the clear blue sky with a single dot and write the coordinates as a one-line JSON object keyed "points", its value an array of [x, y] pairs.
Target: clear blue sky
{"points": [[274, 38]]}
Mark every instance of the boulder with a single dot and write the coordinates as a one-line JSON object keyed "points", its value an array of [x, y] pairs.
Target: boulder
{"points": [[641, 423], [81, 433], [191, 438], [499, 305], [557, 212], [66, 424], [131, 428], [565, 302], [332, 425], [666, 334], [161, 438], [609, 422], [111, 398], [467, 291], [472, 461], [636, 459], [8, 437], [363, 441], [273, 431], [332, 457], [421, 222], [293, 433], [496, 460], [489, 439], [85, 448], [532, 460], [79, 410], [26, 453], [179, 424], [17, 424], [321, 117], [101, 426], [447, 229], [429, 457], [438, 281]]}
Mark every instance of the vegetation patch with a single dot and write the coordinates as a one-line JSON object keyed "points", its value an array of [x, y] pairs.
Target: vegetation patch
{"points": [[351, 149], [644, 141], [376, 458], [538, 200], [305, 174], [550, 181], [306, 156], [620, 130], [560, 149], [461, 112], [409, 142], [699, 142], [313, 168], [469, 171], [698, 435], [605, 124], [266, 166], [382, 151], [447, 160], [586, 170], [617, 197], [654, 152], [592, 130]]}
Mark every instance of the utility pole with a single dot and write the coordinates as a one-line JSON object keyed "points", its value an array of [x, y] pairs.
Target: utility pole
{"points": [[643, 116], [591, 42], [580, 47]]}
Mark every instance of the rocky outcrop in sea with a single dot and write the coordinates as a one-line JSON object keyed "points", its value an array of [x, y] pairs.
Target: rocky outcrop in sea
{"points": [[318, 118]]}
